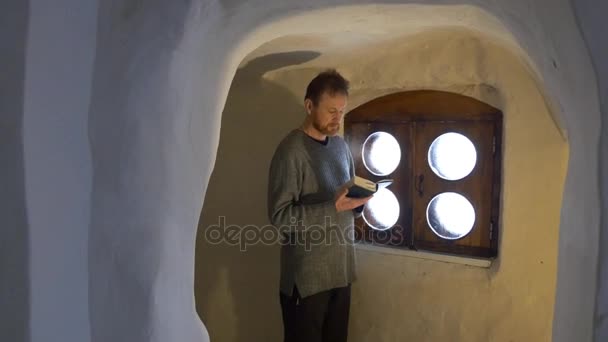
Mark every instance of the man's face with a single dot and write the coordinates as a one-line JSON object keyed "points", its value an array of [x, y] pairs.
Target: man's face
{"points": [[327, 115]]}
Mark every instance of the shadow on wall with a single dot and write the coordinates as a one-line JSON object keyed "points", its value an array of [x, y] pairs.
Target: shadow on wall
{"points": [[14, 251], [236, 282]]}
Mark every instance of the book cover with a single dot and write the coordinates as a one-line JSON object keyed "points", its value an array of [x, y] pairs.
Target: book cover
{"points": [[361, 187]]}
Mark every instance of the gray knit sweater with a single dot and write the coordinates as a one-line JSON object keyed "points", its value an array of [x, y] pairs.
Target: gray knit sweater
{"points": [[317, 253]]}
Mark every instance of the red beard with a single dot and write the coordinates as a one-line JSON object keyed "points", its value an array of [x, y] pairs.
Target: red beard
{"points": [[329, 129]]}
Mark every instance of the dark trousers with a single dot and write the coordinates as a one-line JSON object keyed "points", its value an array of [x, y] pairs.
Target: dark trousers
{"points": [[322, 317]]}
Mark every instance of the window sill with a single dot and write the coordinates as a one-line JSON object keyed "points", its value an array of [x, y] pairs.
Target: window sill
{"points": [[469, 261]]}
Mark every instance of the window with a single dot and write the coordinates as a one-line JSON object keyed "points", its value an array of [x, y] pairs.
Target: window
{"points": [[443, 152]]}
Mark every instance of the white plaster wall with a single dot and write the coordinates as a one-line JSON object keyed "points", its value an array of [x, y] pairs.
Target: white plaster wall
{"points": [[592, 20], [147, 184], [58, 78], [162, 71], [14, 270]]}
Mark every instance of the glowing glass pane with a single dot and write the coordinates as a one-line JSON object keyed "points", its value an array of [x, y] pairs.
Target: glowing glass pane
{"points": [[450, 215], [452, 156], [382, 211], [381, 153]]}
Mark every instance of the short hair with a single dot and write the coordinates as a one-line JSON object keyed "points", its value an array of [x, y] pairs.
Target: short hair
{"points": [[329, 81]]}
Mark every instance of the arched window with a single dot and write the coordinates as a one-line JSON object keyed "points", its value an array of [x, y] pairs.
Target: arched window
{"points": [[443, 151]]}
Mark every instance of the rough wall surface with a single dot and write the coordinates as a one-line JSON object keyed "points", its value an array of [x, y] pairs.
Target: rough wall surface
{"points": [[428, 300], [58, 165], [14, 258], [146, 187], [161, 75], [592, 20]]}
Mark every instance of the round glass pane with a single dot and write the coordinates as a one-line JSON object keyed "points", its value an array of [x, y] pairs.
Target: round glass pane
{"points": [[381, 153], [450, 215], [382, 211], [452, 156]]}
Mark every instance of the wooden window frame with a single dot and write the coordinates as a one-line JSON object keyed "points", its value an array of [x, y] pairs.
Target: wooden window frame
{"points": [[414, 117]]}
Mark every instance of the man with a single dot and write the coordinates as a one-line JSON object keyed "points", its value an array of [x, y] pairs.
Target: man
{"points": [[307, 179]]}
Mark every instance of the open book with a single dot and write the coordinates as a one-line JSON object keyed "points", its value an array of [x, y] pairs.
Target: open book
{"points": [[361, 187]]}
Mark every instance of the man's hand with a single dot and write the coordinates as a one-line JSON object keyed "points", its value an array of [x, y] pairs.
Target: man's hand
{"points": [[344, 203]]}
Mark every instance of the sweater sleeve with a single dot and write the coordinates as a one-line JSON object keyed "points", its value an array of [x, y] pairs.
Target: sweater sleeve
{"points": [[358, 210], [285, 210]]}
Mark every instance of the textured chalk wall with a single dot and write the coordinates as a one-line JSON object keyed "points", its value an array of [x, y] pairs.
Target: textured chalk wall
{"points": [[14, 258], [592, 22], [396, 298], [58, 165], [147, 184]]}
